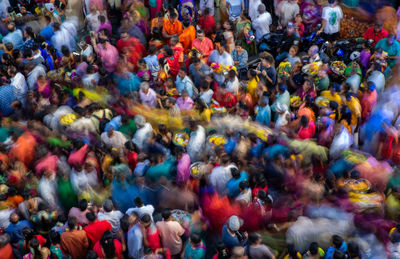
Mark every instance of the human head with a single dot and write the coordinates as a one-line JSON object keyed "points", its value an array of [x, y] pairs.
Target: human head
{"points": [[138, 202], [91, 216], [11, 27], [221, 48], [124, 35], [145, 220], [108, 205], [293, 50], [14, 218], [378, 27], [235, 173], [172, 16], [186, 23], [337, 241], [234, 223], [313, 248], [304, 121], [166, 214], [107, 244], [390, 39], [254, 238], [195, 239], [82, 205], [261, 9], [72, 222], [54, 237], [267, 61], [200, 35], [182, 72], [144, 87], [243, 185], [313, 50], [238, 46]]}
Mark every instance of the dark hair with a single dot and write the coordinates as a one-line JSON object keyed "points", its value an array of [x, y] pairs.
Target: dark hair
{"points": [[108, 205], [186, 23], [235, 173], [152, 49], [195, 239], [168, 51], [166, 214], [107, 243], [200, 31], [244, 184], [48, 18], [313, 248], [304, 121], [337, 241], [145, 218], [138, 201], [353, 250], [339, 255], [27, 53], [34, 244], [54, 237], [91, 216], [90, 255], [173, 14], [27, 233], [253, 238], [72, 222], [82, 204], [30, 32]]}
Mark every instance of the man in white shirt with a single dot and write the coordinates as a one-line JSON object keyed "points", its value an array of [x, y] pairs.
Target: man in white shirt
{"points": [[262, 23], [135, 238], [287, 11], [220, 56], [111, 215], [331, 16], [18, 83], [141, 209], [253, 9], [221, 175]]}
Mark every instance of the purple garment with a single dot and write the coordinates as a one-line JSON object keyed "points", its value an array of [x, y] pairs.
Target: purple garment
{"points": [[106, 26], [81, 69], [311, 13], [364, 58], [186, 104], [183, 173]]}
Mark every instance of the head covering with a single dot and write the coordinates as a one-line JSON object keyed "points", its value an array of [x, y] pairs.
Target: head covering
{"points": [[234, 223]]}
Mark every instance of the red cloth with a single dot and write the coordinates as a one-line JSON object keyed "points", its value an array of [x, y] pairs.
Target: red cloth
{"points": [[207, 24], [225, 98], [48, 163], [6, 252], [132, 159], [307, 133], [133, 47], [118, 249], [95, 230], [78, 157], [173, 62], [368, 103], [153, 237], [257, 189], [41, 239], [370, 34]]}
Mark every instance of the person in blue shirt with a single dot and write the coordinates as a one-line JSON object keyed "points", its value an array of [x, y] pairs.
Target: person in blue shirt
{"points": [[233, 184], [14, 36], [392, 47], [48, 30], [337, 244], [231, 235], [14, 230], [263, 111]]}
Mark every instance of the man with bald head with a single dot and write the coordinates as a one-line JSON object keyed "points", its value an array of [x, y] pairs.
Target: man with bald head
{"points": [[14, 230]]}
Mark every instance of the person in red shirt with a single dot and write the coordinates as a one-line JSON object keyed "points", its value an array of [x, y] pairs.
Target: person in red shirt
{"points": [[152, 237], [131, 47], [207, 23], [172, 59], [108, 247], [307, 129], [375, 33], [298, 23], [96, 228], [131, 154], [225, 98]]}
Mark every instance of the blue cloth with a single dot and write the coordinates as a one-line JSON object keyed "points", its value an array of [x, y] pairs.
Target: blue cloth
{"points": [[6, 98], [264, 115], [256, 150], [242, 58], [127, 83], [47, 32], [15, 230], [135, 242], [277, 149], [340, 167], [331, 250], [28, 44], [185, 84], [163, 169], [229, 240], [233, 185], [15, 38], [115, 122], [230, 146]]}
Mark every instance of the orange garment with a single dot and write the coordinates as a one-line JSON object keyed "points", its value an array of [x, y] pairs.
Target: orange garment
{"points": [[172, 28], [155, 24], [305, 111], [75, 243], [14, 201], [187, 37], [178, 48], [24, 149], [6, 252]]}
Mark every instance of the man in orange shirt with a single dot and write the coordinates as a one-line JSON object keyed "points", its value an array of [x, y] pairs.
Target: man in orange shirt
{"points": [[188, 35], [157, 22], [172, 26], [203, 44], [74, 242]]}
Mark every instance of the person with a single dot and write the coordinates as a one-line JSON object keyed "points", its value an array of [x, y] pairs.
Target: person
{"points": [[195, 248], [369, 100], [135, 237], [14, 36], [392, 47], [235, 8], [107, 53], [184, 102], [74, 242], [262, 23], [233, 183], [307, 129], [172, 26], [14, 230], [203, 44], [35, 249], [170, 233], [230, 233], [108, 247], [240, 57], [338, 244], [263, 111], [147, 95], [141, 209], [198, 71], [188, 36], [375, 33], [267, 70], [184, 83], [220, 56], [255, 249], [207, 20], [151, 237], [287, 11], [96, 228], [109, 214], [331, 16]]}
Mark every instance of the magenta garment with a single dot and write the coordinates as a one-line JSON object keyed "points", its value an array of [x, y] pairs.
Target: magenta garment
{"points": [[183, 173], [107, 26], [186, 104], [48, 163], [109, 56]]}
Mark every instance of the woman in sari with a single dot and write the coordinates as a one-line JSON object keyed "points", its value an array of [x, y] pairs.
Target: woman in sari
{"points": [[136, 19], [244, 33]]}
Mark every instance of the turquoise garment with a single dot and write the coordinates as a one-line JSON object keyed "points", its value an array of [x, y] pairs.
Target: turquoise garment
{"points": [[126, 83], [264, 115], [283, 99], [233, 185], [198, 252], [392, 50], [3, 134], [165, 168]]}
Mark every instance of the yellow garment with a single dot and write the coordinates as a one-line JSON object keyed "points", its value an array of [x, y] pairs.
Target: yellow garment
{"points": [[252, 86], [95, 96], [355, 108], [335, 97], [206, 115]]}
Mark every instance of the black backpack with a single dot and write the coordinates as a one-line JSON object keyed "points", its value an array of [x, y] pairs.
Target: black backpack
{"points": [[102, 121]]}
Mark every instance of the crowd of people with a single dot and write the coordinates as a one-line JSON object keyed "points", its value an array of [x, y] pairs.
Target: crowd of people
{"points": [[186, 129]]}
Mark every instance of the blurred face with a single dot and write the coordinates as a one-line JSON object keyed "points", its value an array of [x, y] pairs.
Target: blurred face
{"points": [[298, 19], [306, 86], [377, 28], [292, 52], [181, 74], [197, 65], [221, 50], [390, 40], [226, 25], [239, 48], [200, 36], [124, 36], [321, 73]]}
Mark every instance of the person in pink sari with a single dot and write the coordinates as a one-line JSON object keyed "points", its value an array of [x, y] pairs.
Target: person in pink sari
{"points": [[185, 102], [368, 101]]}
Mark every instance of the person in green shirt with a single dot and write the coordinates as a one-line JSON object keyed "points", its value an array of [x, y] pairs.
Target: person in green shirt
{"points": [[128, 127], [323, 79], [392, 47], [195, 248], [161, 167]]}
